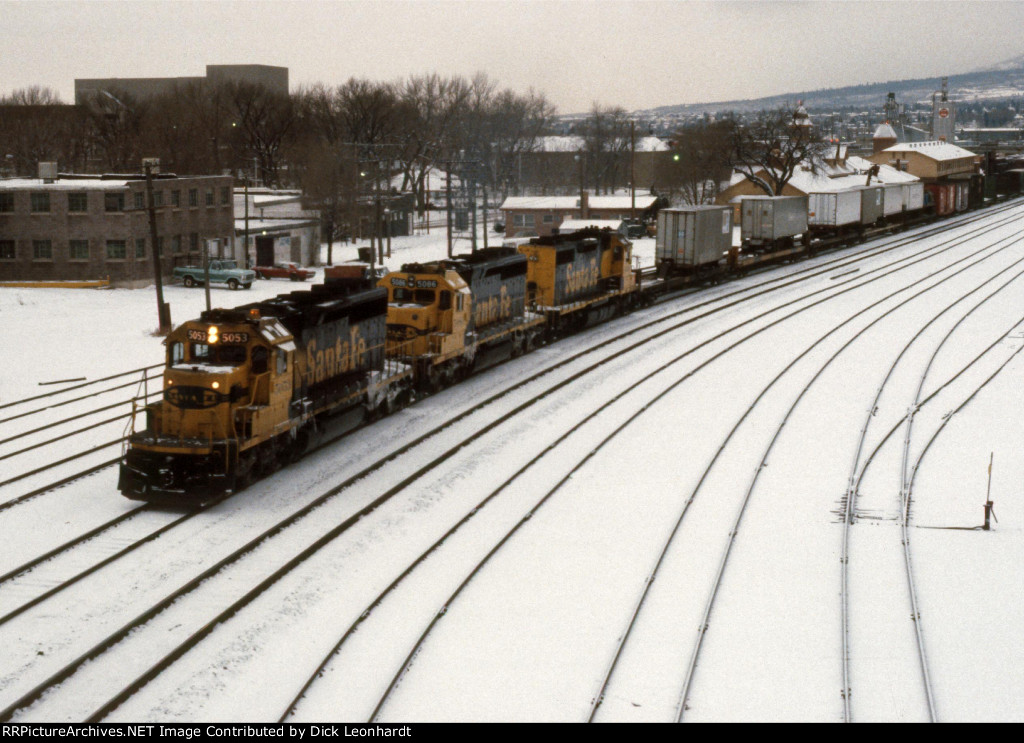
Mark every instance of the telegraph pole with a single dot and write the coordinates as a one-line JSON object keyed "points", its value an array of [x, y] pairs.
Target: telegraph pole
{"points": [[162, 308]]}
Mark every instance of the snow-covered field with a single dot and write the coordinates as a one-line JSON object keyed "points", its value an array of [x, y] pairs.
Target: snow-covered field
{"points": [[696, 483]]}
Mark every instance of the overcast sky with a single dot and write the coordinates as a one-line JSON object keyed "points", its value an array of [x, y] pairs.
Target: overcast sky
{"points": [[633, 53]]}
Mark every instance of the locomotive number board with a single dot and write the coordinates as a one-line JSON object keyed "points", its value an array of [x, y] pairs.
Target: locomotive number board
{"points": [[412, 283]]}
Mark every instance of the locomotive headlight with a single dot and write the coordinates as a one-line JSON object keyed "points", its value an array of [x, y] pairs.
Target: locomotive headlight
{"points": [[212, 334], [216, 385]]}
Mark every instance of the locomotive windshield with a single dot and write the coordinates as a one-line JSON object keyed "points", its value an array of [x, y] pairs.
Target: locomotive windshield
{"points": [[417, 296], [218, 355]]}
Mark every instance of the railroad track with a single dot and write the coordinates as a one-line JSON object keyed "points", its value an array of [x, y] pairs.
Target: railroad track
{"points": [[370, 508], [444, 608], [854, 480], [598, 697]]}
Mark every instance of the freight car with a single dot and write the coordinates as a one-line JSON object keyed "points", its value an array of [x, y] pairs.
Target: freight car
{"points": [[244, 388], [772, 222], [692, 240]]}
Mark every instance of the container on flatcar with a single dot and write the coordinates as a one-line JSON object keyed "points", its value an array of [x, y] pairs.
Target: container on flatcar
{"points": [[892, 199], [913, 196], [942, 197], [833, 208], [871, 206], [692, 236], [771, 220]]}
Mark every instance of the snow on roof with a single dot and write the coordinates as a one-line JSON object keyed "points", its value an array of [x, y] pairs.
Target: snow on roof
{"points": [[884, 131], [838, 177], [643, 201], [65, 184], [541, 202], [573, 143], [571, 225], [934, 150]]}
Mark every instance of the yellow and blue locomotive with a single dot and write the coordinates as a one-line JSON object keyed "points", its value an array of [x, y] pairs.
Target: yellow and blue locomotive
{"points": [[243, 389]]}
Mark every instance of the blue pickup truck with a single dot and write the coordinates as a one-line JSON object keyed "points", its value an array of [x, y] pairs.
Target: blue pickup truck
{"points": [[221, 272]]}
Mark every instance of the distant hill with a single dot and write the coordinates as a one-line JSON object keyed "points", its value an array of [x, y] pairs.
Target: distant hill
{"points": [[999, 82]]}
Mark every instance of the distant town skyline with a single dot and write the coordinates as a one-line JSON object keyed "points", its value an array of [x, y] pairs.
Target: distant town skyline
{"points": [[637, 54]]}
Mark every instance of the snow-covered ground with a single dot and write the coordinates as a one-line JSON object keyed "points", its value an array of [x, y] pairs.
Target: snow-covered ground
{"points": [[715, 456]]}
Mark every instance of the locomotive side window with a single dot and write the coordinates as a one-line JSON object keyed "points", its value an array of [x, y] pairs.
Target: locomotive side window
{"points": [[282, 361], [259, 360], [446, 301], [177, 354]]}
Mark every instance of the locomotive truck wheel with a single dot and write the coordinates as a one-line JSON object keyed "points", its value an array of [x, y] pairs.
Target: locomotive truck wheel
{"points": [[188, 281], [232, 284]]}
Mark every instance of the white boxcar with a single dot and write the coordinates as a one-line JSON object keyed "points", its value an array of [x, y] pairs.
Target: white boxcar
{"points": [[892, 196], [767, 220], [833, 208], [693, 236], [913, 196]]}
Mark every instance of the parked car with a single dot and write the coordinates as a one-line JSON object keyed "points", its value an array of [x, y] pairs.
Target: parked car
{"points": [[221, 272], [292, 271]]}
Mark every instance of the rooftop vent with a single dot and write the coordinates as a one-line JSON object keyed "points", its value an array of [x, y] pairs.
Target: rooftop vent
{"points": [[48, 172]]}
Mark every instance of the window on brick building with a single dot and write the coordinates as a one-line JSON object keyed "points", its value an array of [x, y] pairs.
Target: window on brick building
{"points": [[42, 250], [117, 250], [140, 200], [78, 250], [176, 244], [193, 197], [113, 202], [209, 197], [7, 252], [78, 202], [40, 202], [140, 247], [175, 198], [225, 196], [6, 202]]}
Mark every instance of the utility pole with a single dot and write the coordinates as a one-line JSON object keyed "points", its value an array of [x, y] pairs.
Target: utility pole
{"points": [[245, 238], [632, 171], [448, 207], [162, 308]]}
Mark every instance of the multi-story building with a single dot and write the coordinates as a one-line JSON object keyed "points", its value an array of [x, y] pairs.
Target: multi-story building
{"points": [[92, 227], [273, 78]]}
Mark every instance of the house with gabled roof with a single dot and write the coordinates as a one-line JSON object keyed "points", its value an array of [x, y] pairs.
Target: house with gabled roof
{"points": [[929, 161]]}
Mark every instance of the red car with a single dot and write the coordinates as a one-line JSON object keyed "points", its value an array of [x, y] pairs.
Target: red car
{"points": [[291, 271]]}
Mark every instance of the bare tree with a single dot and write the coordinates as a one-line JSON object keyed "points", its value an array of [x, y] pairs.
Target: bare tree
{"points": [[770, 148], [117, 120], [700, 159], [35, 126], [606, 143], [263, 120]]}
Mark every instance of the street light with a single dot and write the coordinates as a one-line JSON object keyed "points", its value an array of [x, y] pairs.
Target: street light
{"points": [[387, 228]]}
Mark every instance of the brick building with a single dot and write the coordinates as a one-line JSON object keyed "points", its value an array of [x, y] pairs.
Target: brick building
{"points": [[273, 78], [93, 227]]}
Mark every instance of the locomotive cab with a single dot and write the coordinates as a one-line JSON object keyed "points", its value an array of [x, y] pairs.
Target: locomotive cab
{"points": [[429, 309], [227, 386]]}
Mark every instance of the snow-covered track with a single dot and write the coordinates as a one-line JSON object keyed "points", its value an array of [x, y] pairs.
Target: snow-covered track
{"points": [[853, 483], [475, 570], [732, 532]]}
